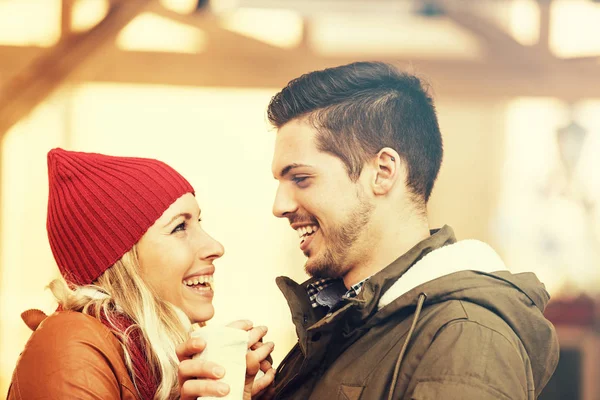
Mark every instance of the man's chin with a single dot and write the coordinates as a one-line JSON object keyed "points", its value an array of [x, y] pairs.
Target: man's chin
{"points": [[318, 269], [315, 271]]}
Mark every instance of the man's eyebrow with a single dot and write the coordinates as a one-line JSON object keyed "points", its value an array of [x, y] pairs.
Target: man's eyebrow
{"points": [[286, 170]]}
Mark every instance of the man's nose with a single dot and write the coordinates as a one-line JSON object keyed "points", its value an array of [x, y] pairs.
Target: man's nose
{"points": [[284, 203]]}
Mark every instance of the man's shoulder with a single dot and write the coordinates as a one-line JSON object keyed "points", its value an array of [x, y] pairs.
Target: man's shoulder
{"points": [[439, 314], [457, 311], [434, 318], [473, 320], [488, 319]]}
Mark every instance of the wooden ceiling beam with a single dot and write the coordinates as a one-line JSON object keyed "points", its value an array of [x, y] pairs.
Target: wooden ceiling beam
{"points": [[14, 58], [543, 45], [233, 60], [36, 81], [240, 69], [219, 36], [499, 45], [66, 13]]}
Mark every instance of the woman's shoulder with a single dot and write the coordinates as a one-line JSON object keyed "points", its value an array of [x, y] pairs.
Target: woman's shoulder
{"points": [[69, 350], [67, 320], [73, 331]]}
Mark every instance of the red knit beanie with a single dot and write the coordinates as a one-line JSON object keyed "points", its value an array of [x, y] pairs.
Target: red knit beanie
{"points": [[99, 206]]}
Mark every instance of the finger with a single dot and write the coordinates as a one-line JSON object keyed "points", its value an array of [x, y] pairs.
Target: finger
{"points": [[259, 344], [265, 366], [255, 357], [263, 352], [256, 345], [194, 388], [263, 382], [191, 346], [256, 334], [243, 324], [192, 369]]}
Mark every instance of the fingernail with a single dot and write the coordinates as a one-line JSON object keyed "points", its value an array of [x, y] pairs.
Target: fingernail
{"points": [[222, 388], [197, 343], [248, 322], [219, 371]]}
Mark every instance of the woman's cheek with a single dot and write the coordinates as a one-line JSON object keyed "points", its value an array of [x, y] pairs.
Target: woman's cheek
{"points": [[180, 258]]}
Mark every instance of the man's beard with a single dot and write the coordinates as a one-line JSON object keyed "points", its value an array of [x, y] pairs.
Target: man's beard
{"points": [[335, 247]]}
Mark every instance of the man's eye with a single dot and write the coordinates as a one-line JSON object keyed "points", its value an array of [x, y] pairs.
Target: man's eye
{"points": [[299, 179], [180, 227]]}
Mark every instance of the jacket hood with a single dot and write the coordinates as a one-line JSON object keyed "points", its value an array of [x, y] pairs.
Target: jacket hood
{"points": [[471, 271]]}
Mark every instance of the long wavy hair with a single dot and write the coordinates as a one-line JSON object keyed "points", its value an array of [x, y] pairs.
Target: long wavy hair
{"points": [[121, 291]]}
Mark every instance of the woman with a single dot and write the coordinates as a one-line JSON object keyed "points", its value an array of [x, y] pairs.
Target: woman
{"points": [[126, 235]]}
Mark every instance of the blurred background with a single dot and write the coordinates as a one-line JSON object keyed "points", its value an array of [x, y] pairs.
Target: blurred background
{"points": [[517, 88]]}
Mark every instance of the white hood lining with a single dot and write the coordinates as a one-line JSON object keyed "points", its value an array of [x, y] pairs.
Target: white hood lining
{"points": [[466, 255]]}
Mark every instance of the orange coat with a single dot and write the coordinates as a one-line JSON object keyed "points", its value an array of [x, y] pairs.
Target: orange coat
{"points": [[70, 355]]}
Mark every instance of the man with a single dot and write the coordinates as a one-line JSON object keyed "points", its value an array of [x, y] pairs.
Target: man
{"points": [[392, 311]]}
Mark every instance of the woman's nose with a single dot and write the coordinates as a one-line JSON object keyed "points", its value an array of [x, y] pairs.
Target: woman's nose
{"points": [[209, 248]]}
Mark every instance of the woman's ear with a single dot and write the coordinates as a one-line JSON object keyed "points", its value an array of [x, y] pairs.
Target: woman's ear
{"points": [[388, 170]]}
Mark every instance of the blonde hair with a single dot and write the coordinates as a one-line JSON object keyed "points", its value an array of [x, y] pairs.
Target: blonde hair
{"points": [[121, 290]]}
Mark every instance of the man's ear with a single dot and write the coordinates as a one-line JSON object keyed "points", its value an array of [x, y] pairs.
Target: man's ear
{"points": [[388, 170]]}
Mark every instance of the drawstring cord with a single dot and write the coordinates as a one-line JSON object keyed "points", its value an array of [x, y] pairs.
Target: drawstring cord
{"points": [[422, 298]]}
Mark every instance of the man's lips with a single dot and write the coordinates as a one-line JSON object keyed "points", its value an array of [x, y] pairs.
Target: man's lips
{"points": [[295, 225], [306, 235], [305, 241], [306, 230]]}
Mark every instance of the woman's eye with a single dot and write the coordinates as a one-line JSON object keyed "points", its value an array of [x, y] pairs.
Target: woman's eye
{"points": [[180, 227]]}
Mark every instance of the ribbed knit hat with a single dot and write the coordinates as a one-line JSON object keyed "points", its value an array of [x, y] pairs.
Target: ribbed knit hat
{"points": [[99, 206]]}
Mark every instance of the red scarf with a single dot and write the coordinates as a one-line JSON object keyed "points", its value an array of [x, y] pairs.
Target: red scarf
{"points": [[145, 380]]}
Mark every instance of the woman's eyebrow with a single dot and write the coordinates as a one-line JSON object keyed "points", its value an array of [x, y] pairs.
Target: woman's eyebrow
{"points": [[186, 215]]}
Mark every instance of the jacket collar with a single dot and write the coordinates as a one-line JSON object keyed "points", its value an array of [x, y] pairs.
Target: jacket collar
{"points": [[306, 318], [379, 284]]}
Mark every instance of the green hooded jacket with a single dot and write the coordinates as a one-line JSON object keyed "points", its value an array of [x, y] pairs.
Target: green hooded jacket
{"points": [[444, 321]]}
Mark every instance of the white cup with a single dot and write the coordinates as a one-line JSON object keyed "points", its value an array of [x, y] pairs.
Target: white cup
{"points": [[226, 347]]}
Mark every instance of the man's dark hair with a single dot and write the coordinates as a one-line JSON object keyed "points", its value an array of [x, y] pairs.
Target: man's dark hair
{"points": [[360, 108]]}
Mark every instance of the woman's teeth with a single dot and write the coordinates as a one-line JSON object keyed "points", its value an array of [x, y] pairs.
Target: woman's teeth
{"points": [[205, 280], [307, 230]]}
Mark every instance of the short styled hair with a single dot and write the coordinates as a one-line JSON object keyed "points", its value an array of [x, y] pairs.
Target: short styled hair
{"points": [[360, 108]]}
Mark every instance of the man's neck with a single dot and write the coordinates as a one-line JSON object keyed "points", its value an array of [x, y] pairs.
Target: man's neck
{"points": [[391, 242]]}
